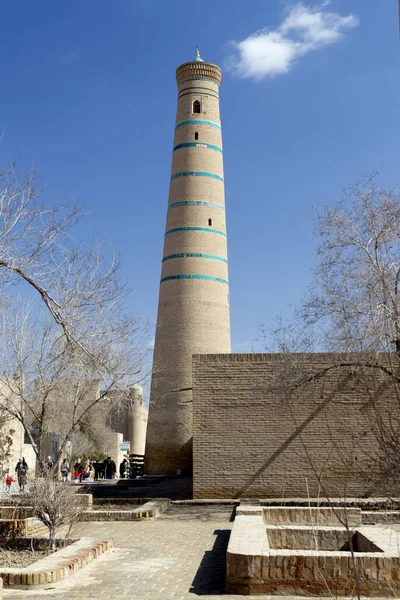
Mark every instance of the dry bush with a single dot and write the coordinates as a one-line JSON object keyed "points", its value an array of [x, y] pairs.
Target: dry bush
{"points": [[54, 503]]}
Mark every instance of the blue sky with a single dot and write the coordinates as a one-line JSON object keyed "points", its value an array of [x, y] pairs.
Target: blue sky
{"points": [[310, 99]]}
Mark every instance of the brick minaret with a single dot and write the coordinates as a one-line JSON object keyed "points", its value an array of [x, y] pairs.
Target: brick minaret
{"points": [[193, 309]]}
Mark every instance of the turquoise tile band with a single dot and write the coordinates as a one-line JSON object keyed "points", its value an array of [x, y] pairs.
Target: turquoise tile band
{"points": [[195, 255], [197, 145], [199, 79], [196, 174], [201, 89], [197, 122], [196, 203], [194, 276], [204, 229], [198, 94]]}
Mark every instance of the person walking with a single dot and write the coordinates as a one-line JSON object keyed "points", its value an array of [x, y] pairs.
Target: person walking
{"points": [[9, 481], [123, 468], [109, 468], [21, 470], [96, 467], [64, 470]]}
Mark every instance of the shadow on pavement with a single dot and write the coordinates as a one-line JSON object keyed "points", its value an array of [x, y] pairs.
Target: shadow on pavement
{"points": [[210, 576]]}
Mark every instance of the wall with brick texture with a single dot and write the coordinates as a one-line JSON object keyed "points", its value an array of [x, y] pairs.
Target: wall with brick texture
{"points": [[250, 440]]}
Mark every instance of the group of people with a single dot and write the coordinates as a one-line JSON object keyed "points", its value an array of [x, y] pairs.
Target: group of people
{"points": [[85, 469], [21, 471], [96, 469]]}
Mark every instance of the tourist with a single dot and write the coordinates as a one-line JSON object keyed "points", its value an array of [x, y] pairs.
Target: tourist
{"points": [[81, 471], [21, 469], [9, 481], [101, 470], [88, 467], [64, 470], [123, 468], [109, 468], [49, 463], [96, 467]]}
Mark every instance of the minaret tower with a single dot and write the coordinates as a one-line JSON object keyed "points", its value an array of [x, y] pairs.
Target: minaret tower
{"points": [[193, 308]]}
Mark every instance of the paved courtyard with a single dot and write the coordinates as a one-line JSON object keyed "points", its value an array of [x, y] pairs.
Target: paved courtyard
{"points": [[179, 555]]}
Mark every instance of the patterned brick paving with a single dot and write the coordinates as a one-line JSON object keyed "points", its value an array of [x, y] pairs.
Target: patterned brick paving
{"points": [[179, 555]]}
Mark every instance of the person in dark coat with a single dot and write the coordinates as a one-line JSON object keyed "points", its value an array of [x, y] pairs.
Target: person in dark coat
{"points": [[21, 470], [109, 468], [96, 467], [123, 468]]}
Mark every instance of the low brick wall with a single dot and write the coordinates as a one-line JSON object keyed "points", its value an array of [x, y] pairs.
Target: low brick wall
{"points": [[29, 527], [149, 510], [374, 517], [254, 567], [15, 512], [333, 517], [134, 501], [57, 566], [85, 499]]}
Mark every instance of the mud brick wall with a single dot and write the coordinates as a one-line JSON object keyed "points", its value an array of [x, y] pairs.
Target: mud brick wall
{"points": [[251, 440]]}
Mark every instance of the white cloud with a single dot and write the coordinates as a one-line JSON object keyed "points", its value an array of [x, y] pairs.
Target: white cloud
{"points": [[305, 29]]}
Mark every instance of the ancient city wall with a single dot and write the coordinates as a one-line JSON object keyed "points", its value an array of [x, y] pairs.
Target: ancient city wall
{"points": [[251, 438]]}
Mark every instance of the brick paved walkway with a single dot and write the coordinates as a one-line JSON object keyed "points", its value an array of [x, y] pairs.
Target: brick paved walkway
{"points": [[180, 555]]}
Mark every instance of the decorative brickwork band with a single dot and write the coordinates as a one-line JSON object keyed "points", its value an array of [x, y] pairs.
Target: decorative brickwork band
{"points": [[198, 71]]}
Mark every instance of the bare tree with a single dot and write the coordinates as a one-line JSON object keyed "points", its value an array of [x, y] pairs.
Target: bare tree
{"points": [[353, 310], [62, 388], [76, 328], [54, 503], [38, 249]]}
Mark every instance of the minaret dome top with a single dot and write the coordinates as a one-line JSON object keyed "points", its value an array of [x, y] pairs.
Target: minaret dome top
{"points": [[198, 69], [198, 57]]}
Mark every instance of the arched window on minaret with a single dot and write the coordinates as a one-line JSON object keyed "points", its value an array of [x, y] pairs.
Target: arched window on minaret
{"points": [[196, 135], [209, 222], [196, 106]]}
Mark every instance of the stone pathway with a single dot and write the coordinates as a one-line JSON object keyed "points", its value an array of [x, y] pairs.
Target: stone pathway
{"points": [[179, 555]]}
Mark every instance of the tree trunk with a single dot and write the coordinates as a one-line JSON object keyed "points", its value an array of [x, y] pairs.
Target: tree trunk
{"points": [[52, 538]]}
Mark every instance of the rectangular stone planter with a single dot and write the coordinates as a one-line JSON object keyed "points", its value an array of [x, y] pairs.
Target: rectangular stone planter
{"points": [[264, 558]]}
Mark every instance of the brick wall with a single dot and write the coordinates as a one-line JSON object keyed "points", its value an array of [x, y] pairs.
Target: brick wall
{"points": [[251, 440]]}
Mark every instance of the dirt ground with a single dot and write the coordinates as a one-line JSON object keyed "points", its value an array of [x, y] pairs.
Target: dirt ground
{"points": [[11, 557]]}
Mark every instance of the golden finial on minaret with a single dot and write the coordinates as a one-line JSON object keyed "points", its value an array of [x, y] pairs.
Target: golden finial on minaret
{"points": [[198, 57]]}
